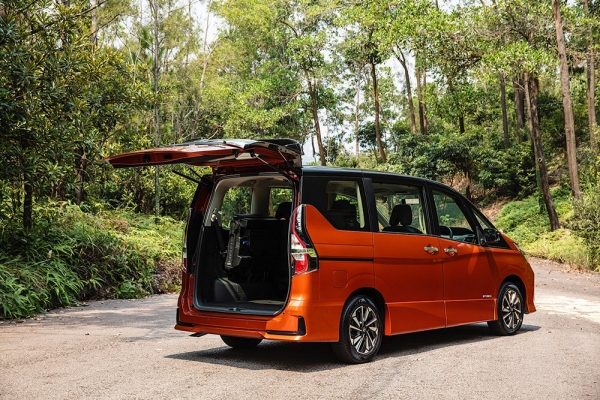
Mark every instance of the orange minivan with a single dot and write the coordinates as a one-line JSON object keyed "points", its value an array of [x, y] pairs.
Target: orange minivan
{"points": [[274, 250]]}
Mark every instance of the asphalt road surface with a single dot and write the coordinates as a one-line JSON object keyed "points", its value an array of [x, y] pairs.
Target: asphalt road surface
{"points": [[128, 349]]}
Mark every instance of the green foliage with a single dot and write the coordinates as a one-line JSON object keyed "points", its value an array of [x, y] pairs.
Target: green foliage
{"points": [[72, 256], [506, 171], [586, 221], [272, 68], [525, 222]]}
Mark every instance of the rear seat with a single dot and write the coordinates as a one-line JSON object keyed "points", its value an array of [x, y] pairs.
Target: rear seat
{"points": [[259, 243]]}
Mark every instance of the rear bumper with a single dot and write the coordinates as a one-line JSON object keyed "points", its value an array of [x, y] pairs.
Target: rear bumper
{"points": [[296, 323], [305, 318]]}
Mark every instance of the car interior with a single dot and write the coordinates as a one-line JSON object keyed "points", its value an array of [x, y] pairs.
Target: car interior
{"points": [[399, 208], [243, 260]]}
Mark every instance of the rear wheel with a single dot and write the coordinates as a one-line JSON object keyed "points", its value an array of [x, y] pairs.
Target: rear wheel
{"points": [[240, 342], [361, 331], [510, 311]]}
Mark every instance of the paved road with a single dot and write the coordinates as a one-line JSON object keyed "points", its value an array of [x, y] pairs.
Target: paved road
{"points": [[128, 349]]}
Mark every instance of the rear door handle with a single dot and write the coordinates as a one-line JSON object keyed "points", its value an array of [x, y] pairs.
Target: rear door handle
{"points": [[450, 251], [431, 249]]}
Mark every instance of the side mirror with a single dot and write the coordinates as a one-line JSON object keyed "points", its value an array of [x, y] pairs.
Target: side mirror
{"points": [[488, 236]]}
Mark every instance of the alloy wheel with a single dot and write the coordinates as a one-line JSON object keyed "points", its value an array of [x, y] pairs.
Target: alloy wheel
{"points": [[364, 331], [512, 310]]}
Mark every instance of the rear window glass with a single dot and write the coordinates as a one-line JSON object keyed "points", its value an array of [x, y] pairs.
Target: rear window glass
{"points": [[341, 201], [237, 200], [280, 202]]}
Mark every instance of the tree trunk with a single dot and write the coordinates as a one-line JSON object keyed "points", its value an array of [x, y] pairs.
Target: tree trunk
{"points": [[28, 180], [531, 94], [424, 88], [411, 107], [80, 171], [591, 85], [461, 116], [27, 203], [356, 115], [380, 147], [422, 123], [518, 85], [155, 76], [468, 193], [567, 106], [94, 24], [461, 123], [505, 131], [205, 46], [314, 105]]}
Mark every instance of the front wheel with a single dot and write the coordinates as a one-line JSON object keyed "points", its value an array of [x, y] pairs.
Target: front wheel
{"points": [[361, 331], [510, 311], [240, 342]]}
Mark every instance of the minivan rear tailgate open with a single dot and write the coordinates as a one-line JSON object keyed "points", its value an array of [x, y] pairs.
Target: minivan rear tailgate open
{"points": [[278, 153]]}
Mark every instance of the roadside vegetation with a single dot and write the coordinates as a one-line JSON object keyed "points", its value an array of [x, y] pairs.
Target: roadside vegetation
{"points": [[495, 98], [576, 243], [71, 256]]}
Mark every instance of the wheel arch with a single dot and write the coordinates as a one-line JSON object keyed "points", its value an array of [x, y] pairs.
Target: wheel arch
{"points": [[374, 295], [516, 280]]}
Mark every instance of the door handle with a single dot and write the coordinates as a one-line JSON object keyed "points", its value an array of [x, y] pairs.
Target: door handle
{"points": [[450, 251], [431, 249]]}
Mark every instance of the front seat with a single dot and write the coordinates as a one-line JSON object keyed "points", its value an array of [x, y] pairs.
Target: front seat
{"points": [[342, 214], [401, 219], [284, 210]]}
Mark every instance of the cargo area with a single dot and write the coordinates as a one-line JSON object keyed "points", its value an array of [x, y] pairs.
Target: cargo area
{"points": [[241, 256]]}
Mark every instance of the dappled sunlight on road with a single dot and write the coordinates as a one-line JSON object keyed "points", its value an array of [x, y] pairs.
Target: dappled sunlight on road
{"points": [[566, 305]]}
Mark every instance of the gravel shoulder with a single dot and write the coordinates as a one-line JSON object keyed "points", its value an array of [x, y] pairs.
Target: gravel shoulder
{"points": [[128, 349]]}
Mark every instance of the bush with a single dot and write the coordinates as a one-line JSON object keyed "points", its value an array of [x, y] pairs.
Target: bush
{"points": [[71, 256], [586, 223], [526, 222]]}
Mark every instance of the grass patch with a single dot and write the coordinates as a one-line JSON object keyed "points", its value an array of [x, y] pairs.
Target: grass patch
{"points": [[526, 222], [72, 256]]}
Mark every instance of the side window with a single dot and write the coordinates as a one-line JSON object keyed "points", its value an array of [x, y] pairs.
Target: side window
{"points": [[481, 220], [399, 208], [453, 223], [237, 200], [342, 202]]}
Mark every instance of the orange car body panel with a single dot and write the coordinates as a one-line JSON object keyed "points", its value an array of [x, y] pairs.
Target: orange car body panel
{"points": [[421, 291]]}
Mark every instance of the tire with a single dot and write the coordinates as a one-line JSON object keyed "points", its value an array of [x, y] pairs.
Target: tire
{"points": [[510, 311], [361, 331], [240, 342]]}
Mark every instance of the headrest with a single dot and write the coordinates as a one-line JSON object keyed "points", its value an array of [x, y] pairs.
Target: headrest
{"points": [[343, 205], [401, 214], [342, 215], [284, 210]]}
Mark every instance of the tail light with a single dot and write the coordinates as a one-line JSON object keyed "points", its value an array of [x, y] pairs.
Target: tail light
{"points": [[303, 254]]}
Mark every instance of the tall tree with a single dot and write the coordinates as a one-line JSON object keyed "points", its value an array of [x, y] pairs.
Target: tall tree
{"points": [[519, 101], [567, 106], [591, 81], [420, 79], [377, 107], [504, 109], [407, 85], [522, 50], [307, 22], [155, 14], [531, 95]]}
